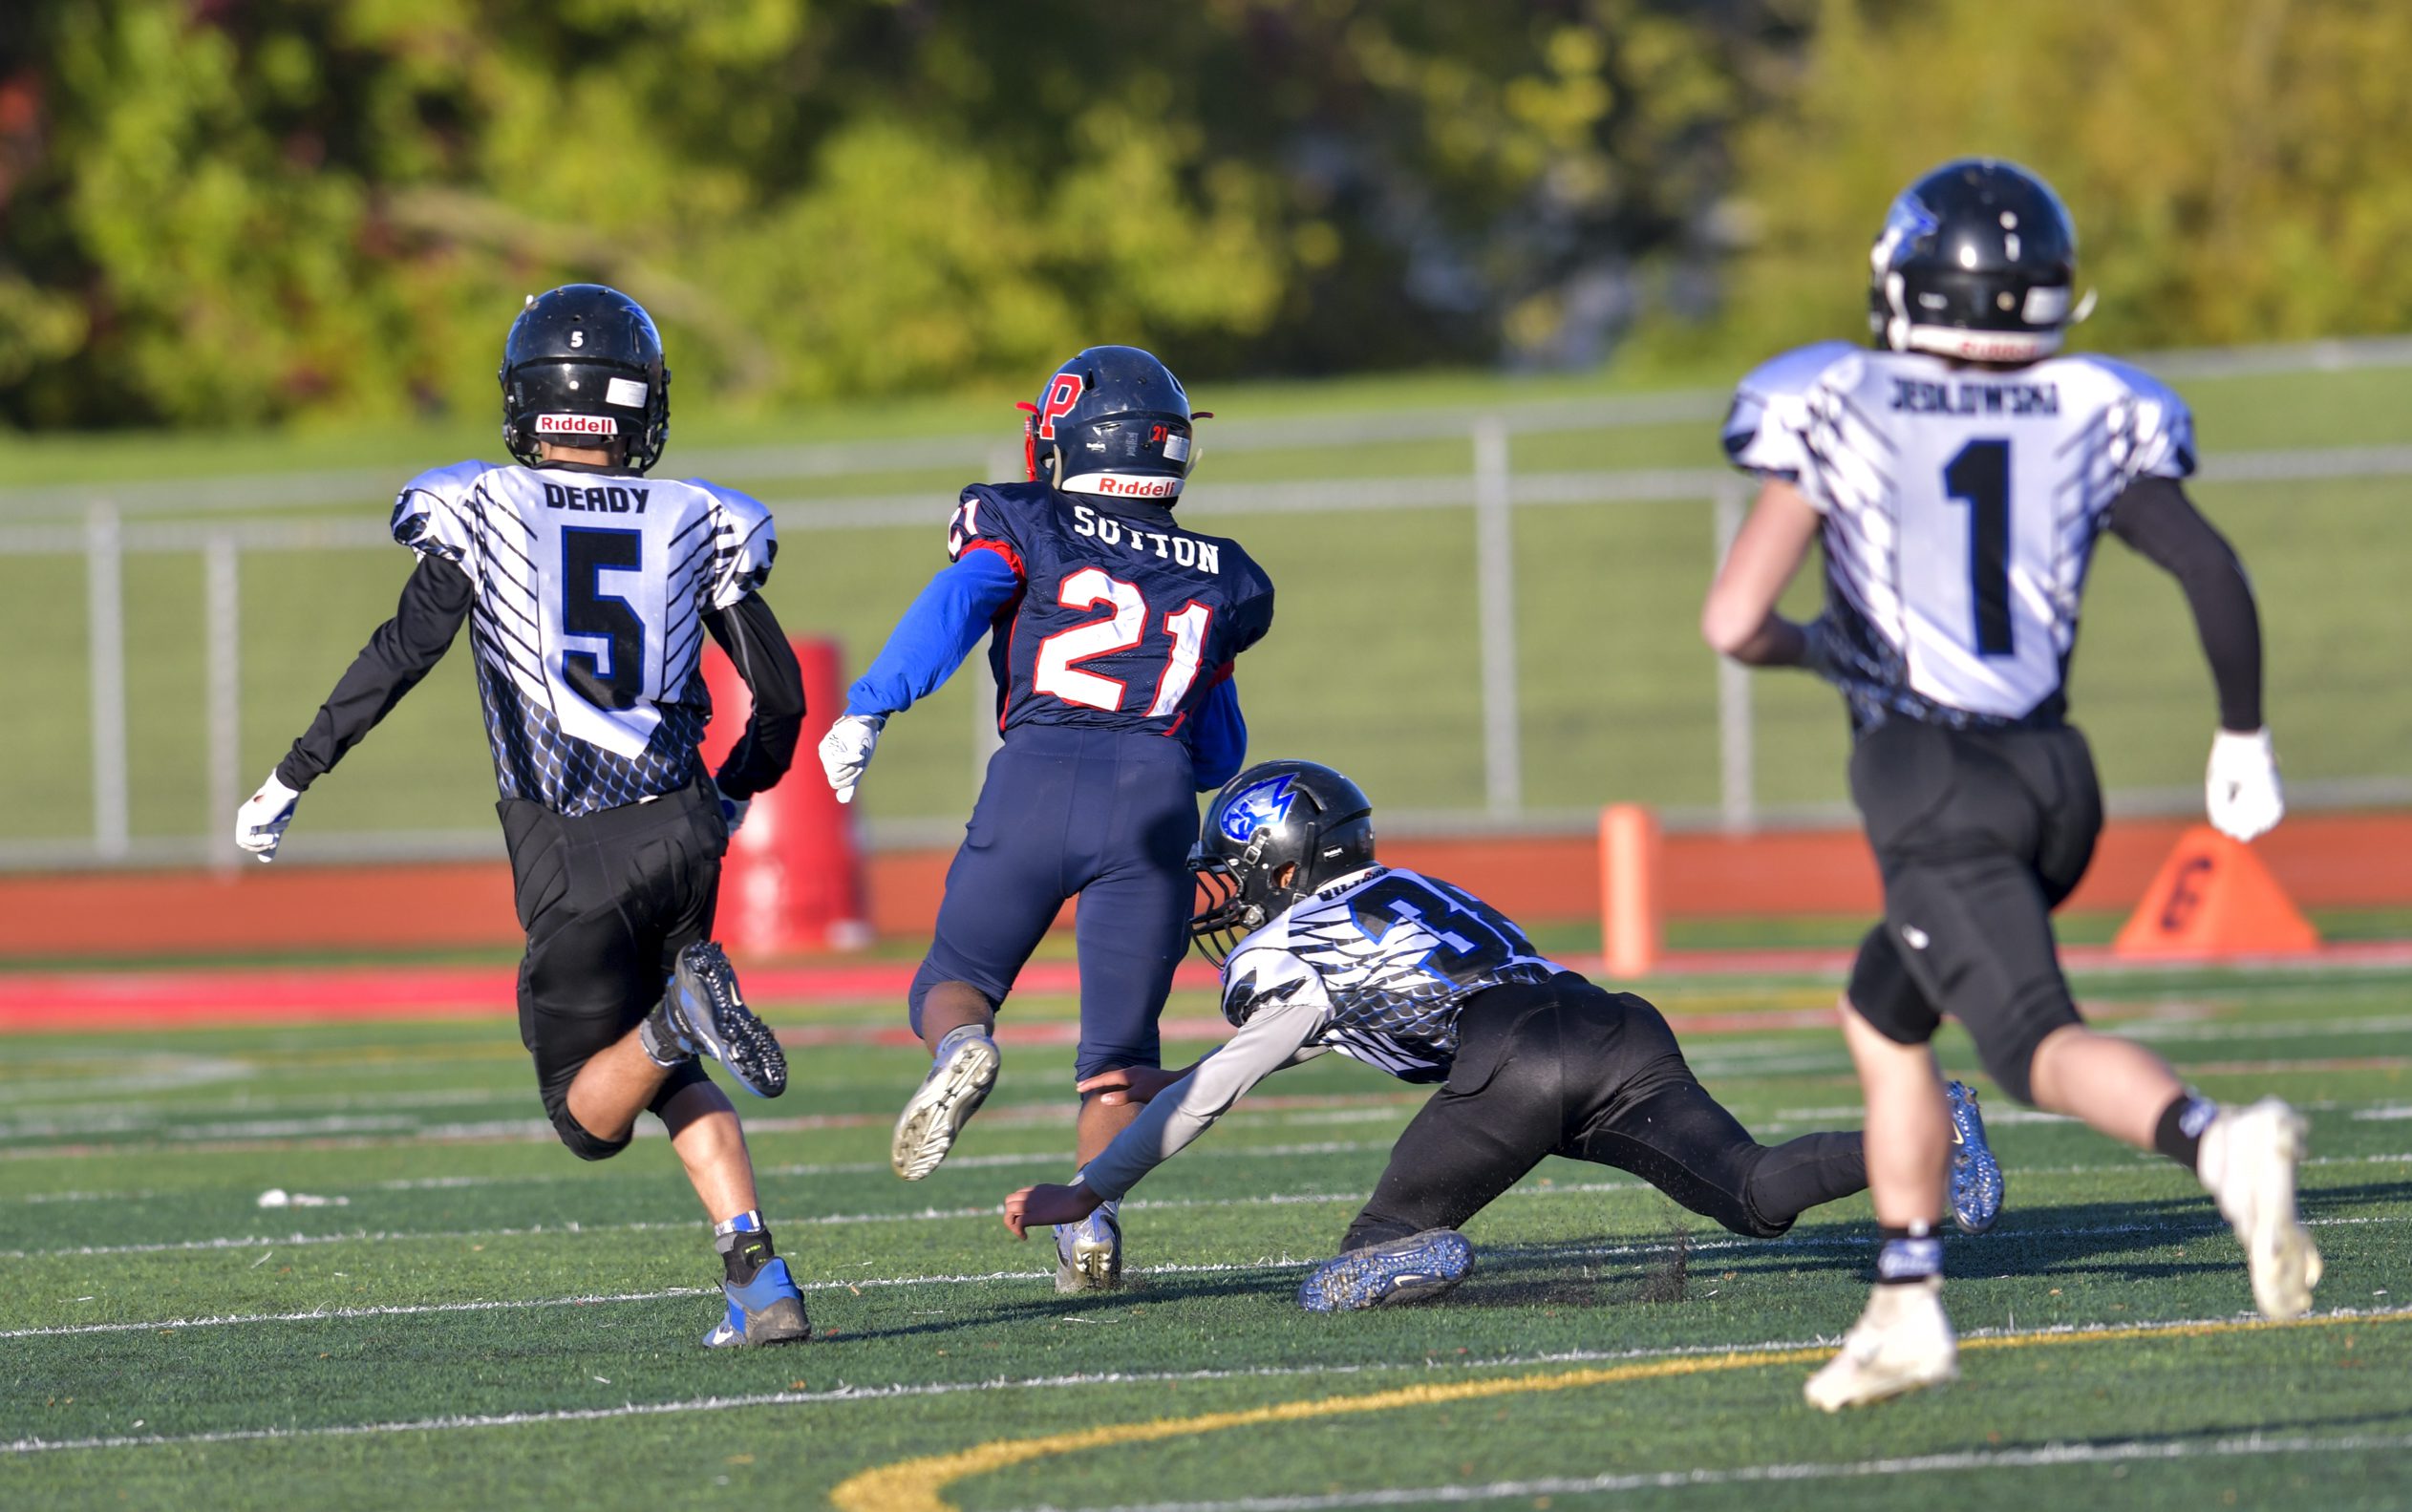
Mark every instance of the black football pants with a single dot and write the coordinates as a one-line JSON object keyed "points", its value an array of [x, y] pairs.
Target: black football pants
{"points": [[607, 899], [1567, 1068], [1979, 835]]}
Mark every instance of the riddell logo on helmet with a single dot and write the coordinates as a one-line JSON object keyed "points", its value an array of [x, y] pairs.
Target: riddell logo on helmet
{"points": [[1135, 487], [576, 425]]}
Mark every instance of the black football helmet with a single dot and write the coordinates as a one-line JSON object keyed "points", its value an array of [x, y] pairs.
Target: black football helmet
{"points": [[583, 367], [1113, 422], [1271, 817], [1976, 261]]}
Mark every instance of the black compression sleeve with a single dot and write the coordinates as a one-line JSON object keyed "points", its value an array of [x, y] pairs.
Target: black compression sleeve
{"points": [[2155, 516], [405, 648], [750, 633]]}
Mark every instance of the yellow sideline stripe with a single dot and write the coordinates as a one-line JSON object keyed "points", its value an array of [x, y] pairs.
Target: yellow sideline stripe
{"points": [[913, 1485]]}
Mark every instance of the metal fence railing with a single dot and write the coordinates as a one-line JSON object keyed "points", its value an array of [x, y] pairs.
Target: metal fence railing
{"points": [[97, 530]]}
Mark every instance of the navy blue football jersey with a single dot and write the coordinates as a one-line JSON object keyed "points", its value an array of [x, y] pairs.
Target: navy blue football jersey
{"points": [[1125, 620]]}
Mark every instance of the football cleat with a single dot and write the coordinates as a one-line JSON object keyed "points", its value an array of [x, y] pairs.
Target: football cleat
{"points": [[2253, 1152], [767, 1310], [1089, 1253], [1902, 1343], [1407, 1269], [707, 1015], [956, 1086], [1976, 1184]]}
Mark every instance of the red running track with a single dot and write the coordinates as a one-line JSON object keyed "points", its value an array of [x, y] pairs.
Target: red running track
{"points": [[216, 997]]}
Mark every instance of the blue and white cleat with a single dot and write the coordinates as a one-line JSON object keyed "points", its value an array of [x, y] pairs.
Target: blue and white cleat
{"points": [[1089, 1253], [1407, 1269], [767, 1310], [1976, 1184], [708, 1016], [958, 1082]]}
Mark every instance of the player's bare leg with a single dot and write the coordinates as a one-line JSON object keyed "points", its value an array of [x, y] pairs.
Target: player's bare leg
{"points": [[958, 1024], [1903, 1341], [1089, 1253], [711, 1144], [2245, 1157]]}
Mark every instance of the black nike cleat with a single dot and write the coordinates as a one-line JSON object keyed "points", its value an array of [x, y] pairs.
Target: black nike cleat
{"points": [[708, 1016]]}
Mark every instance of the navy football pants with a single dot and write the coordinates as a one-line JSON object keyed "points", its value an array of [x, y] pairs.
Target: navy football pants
{"points": [[1101, 815]]}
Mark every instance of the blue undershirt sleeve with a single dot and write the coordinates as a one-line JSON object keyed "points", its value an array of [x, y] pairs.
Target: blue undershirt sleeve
{"points": [[936, 632], [1219, 747]]}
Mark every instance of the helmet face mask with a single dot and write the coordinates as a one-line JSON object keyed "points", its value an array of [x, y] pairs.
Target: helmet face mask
{"points": [[1112, 423], [582, 368], [1274, 834], [1977, 262]]}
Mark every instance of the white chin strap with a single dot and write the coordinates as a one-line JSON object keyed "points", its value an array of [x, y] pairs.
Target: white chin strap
{"points": [[1980, 346]]}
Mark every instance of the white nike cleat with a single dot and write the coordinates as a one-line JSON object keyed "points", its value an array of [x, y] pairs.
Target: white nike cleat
{"points": [[1089, 1253], [944, 1103], [2249, 1160], [1902, 1343]]}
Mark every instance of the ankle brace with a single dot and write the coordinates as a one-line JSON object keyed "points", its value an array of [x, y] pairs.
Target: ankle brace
{"points": [[661, 1044], [2179, 1133], [1907, 1255], [744, 1243]]}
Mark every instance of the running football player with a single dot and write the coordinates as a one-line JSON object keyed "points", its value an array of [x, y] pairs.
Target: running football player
{"points": [[1111, 631], [588, 588], [1959, 477], [1322, 947]]}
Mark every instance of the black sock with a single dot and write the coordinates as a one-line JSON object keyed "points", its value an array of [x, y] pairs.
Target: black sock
{"points": [[745, 1248], [1907, 1255], [2179, 1133]]}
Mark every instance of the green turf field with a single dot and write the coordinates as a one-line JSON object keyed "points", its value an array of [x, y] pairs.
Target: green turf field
{"points": [[474, 1318], [1372, 664]]}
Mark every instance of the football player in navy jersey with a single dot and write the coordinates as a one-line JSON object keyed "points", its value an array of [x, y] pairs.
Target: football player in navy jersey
{"points": [[1112, 630], [587, 589], [1960, 477], [1324, 948]]}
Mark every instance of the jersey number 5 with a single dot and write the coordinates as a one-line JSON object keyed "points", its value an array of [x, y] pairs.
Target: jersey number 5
{"points": [[611, 677], [1058, 674]]}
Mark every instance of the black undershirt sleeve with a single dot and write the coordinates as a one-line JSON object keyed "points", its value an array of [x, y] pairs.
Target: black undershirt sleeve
{"points": [[2155, 516], [750, 633], [435, 602]]}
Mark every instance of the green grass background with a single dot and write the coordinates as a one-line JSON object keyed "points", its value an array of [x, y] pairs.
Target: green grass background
{"points": [[453, 1193], [1374, 662]]}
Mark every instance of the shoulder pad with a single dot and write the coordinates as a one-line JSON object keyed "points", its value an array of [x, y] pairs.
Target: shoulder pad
{"points": [[1003, 518], [745, 541], [2154, 424], [1763, 426], [430, 512]]}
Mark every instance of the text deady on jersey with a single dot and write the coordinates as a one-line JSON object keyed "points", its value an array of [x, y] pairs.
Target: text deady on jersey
{"points": [[607, 499], [1179, 549], [1967, 396]]}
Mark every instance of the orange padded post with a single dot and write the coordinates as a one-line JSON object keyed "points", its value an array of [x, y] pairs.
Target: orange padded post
{"points": [[793, 877], [1629, 891], [2213, 897]]}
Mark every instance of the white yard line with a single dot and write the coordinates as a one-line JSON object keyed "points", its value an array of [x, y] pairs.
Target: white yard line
{"points": [[1542, 1188], [854, 1394], [2042, 1457]]}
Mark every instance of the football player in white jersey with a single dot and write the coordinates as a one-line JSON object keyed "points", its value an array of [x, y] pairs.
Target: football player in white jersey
{"points": [[1959, 477], [1323, 948], [588, 588]]}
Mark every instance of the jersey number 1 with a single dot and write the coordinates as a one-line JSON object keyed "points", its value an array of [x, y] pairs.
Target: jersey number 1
{"points": [[1057, 675], [1979, 477]]}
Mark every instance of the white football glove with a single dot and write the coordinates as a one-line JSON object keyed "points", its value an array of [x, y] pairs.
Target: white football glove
{"points": [[846, 750], [259, 825], [2241, 789], [732, 809]]}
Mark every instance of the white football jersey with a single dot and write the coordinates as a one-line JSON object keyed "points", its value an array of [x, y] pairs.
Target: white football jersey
{"points": [[1389, 957], [587, 617], [1962, 505]]}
